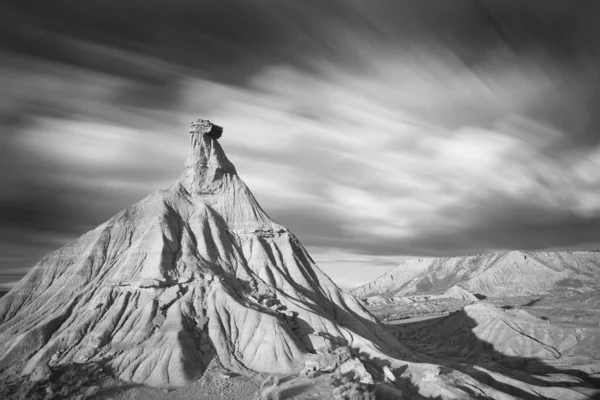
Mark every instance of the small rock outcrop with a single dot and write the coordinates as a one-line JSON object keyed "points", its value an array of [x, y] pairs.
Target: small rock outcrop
{"points": [[456, 292]]}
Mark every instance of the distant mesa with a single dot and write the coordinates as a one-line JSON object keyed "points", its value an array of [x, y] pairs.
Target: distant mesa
{"points": [[455, 292], [501, 274]]}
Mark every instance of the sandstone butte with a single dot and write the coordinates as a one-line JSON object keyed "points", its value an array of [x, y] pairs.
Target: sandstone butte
{"points": [[194, 272]]}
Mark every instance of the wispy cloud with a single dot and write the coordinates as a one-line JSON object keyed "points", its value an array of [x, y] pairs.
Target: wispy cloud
{"points": [[374, 132]]}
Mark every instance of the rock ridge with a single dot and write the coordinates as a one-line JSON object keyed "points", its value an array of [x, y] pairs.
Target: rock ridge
{"points": [[494, 274]]}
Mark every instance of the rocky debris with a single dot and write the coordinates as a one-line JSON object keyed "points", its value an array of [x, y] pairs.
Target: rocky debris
{"points": [[341, 360], [358, 369], [402, 300], [510, 273], [322, 362], [317, 343], [389, 375], [328, 362], [41, 373], [375, 300], [207, 128]]}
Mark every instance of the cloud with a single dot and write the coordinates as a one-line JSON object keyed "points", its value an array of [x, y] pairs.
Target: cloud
{"points": [[374, 132], [388, 182], [7, 285], [352, 270]]}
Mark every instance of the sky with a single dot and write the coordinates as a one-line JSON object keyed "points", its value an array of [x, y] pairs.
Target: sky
{"points": [[374, 130]]}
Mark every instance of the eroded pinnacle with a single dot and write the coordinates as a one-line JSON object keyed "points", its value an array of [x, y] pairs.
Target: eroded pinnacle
{"points": [[205, 127]]}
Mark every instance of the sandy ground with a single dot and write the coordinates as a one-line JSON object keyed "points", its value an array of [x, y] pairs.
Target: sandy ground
{"points": [[218, 384]]}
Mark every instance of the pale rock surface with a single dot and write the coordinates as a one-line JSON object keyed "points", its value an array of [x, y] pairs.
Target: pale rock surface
{"points": [[389, 374], [359, 371], [41, 373]]}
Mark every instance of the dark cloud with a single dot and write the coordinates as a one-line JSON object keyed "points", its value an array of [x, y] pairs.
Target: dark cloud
{"points": [[496, 225], [382, 128]]}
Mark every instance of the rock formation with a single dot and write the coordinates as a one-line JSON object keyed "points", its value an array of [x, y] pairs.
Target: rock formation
{"points": [[494, 274], [189, 273]]}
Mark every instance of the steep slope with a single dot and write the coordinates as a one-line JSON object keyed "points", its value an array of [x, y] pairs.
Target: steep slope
{"points": [[389, 282], [484, 331], [189, 273], [494, 274]]}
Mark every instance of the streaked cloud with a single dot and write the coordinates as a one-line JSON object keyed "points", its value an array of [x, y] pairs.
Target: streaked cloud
{"points": [[373, 131]]}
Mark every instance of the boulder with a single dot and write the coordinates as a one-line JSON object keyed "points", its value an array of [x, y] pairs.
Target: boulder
{"points": [[389, 374], [322, 362], [355, 367]]}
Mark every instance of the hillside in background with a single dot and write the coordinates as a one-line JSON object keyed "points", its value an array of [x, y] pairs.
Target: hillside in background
{"points": [[504, 274]]}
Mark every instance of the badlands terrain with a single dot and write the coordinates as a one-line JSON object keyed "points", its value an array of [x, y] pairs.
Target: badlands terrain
{"points": [[195, 293], [527, 313]]}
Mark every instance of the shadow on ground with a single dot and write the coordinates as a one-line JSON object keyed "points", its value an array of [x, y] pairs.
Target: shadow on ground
{"points": [[460, 349]]}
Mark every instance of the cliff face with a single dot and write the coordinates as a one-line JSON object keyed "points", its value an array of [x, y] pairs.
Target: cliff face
{"points": [[189, 273], [494, 274]]}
